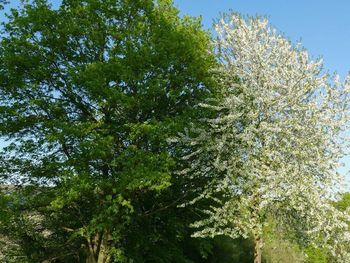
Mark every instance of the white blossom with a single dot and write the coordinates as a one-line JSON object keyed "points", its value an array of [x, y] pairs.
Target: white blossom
{"points": [[276, 143]]}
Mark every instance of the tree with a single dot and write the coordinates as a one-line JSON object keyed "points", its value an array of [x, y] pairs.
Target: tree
{"points": [[89, 93], [274, 146]]}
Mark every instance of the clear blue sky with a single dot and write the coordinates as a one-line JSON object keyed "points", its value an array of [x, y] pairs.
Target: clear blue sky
{"points": [[323, 26]]}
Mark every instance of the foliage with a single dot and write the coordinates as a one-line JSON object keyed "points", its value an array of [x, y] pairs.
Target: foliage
{"points": [[315, 255], [274, 146], [278, 247], [89, 93]]}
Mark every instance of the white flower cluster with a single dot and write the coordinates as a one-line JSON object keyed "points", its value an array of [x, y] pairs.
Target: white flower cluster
{"points": [[276, 141]]}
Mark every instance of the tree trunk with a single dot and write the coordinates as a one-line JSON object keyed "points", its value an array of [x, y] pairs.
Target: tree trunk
{"points": [[104, 251], [99, 248], [257, 249], [90, 258]]}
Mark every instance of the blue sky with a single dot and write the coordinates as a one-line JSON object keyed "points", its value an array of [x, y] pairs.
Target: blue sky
{"points": [[323, 26]]}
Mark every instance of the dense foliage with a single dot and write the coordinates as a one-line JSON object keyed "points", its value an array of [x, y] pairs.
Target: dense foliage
{"points": [[94, 96], [89, 94]]}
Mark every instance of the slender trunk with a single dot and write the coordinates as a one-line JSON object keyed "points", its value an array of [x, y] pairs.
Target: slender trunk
{"points": [[91, 253], [99, 249], [257, 249], [104, 255]]}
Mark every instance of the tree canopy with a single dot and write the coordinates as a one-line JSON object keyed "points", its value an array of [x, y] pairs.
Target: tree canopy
{"points": [[89, 93], [133, 135], [275, 142]]}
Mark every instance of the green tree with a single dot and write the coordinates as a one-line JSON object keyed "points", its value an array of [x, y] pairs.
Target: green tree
{"points": [[89, 94]]}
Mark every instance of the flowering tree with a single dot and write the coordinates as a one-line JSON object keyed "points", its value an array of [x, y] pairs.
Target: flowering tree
{"points": [[275, 143]]}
